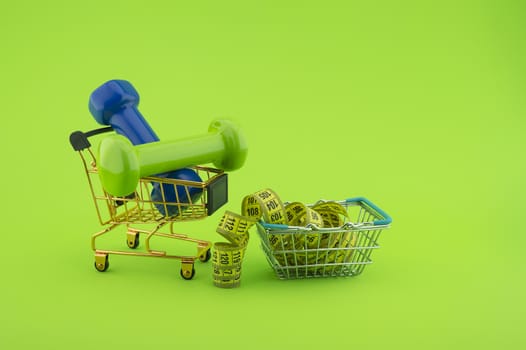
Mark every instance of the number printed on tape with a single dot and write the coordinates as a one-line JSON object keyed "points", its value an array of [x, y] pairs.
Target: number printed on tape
{"points": [[235, 228]]}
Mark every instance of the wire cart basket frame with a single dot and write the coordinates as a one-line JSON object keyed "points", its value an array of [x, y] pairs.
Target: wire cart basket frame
{"points": [[139, 211], [340, 251]]}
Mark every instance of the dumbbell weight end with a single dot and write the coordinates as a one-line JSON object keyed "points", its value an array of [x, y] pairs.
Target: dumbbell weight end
{"points": [[115, 103]]}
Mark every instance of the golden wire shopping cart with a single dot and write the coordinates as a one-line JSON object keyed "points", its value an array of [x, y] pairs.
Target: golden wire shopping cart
{"points": [[142, 214], [338, 252]]}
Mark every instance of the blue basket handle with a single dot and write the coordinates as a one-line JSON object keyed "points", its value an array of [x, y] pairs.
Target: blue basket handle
{"points": [[274, 226], [386, 217], [385, 221]]}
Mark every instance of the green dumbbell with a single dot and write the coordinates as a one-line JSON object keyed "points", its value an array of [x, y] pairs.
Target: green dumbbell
{"points": [[122, 164]]}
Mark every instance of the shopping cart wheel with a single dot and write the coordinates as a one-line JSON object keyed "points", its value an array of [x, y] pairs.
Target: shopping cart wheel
{"points": [[101, 263], [133, 240], [205, 256], [187, 274]]}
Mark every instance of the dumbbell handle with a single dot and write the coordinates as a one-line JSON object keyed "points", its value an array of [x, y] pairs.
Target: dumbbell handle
{"points": [[130, 123], [160, 157]]}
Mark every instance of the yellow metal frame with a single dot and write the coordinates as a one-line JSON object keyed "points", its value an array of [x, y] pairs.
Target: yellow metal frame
{"points": [[139, 209]]}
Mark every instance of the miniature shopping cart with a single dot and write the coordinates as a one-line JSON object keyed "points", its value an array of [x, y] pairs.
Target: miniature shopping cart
{"points": [[339, 251], [141, 213]]}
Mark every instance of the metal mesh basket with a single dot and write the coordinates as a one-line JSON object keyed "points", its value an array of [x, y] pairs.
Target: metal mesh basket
{"points": [[339, 252]]}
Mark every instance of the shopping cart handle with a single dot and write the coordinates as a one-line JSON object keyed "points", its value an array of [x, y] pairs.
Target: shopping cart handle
{"points": [[386, 217], [79, 140]]}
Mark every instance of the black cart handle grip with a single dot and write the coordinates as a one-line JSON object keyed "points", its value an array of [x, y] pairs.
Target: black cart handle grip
{"points": [[79, 140]]}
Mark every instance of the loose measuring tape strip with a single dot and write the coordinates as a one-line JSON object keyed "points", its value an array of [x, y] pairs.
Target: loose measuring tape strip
{"points": [[235, 228], [266, 204]]}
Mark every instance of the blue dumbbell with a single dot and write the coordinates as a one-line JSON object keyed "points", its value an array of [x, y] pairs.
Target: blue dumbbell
{"points": [[115, 103]]}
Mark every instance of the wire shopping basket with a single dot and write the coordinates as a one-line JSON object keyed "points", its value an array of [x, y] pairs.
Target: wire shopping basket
{"points": [[142, 213], [339, 252]]}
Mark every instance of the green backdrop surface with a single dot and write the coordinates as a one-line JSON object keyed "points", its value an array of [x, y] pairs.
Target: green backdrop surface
{"points": [[418, 106]]}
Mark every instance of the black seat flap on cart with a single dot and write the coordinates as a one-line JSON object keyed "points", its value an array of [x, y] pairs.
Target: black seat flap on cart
{"points": [[217, 193]]}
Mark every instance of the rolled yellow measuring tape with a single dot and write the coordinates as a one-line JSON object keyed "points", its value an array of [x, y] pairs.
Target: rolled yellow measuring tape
{"points": [[226, 262], [264, 204], [227, 257]]}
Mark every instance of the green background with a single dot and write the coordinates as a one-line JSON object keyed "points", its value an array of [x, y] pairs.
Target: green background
{"points": [[417, 105]]}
